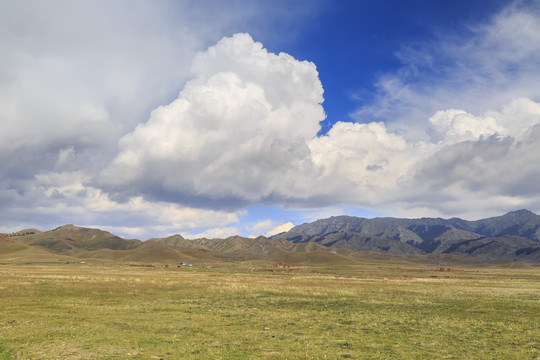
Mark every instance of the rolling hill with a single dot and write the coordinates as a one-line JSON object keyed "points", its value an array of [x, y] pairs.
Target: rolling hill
{"points": [[73, 243], [255, 248], [70, 240], [13, 250]]}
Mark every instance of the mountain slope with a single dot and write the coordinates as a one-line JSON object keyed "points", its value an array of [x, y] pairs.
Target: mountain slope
{"points": [[70, 240], [258, 248], [510, 236], [409, 236], [13, 250], [9, 245], [357, 242], [146, 252], [187, 247], [504, 247], [520, 223]]}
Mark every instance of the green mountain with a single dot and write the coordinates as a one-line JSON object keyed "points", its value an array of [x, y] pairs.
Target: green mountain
{"points": [[357, 241], [70, 240], [514, 236], [520, 223], [13, 250], [508, 247]]}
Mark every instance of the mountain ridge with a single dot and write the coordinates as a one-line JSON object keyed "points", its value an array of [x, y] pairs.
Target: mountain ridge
{"points": [[512, 236]]}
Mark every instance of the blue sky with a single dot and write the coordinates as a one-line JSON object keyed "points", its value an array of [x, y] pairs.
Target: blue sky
{"points": [[149, 119], [354, 42]]}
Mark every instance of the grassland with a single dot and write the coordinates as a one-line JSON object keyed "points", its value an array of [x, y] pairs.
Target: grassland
{"points": [[371, 311]]}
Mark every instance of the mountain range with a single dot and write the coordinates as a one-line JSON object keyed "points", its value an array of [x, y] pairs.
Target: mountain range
{"points": [[339, 239], [513, 236]]}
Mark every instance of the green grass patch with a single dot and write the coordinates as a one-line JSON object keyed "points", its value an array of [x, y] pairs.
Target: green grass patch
{"points": [[5, 355]]}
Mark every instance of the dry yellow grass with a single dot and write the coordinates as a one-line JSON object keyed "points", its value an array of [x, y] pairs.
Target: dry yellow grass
{"points": [[371, 311]]}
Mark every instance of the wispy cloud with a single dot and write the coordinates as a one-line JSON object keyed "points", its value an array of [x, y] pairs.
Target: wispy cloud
{"points": [[481, 69]]}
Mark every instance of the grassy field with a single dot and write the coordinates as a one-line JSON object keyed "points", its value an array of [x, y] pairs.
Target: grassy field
{"points": [[371, 311]]}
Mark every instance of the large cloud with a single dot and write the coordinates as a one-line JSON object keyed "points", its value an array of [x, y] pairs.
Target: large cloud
{"points": [[493, 172], [244, 131], [235, 135], [76, 77], [54, 198], [469, 164]]}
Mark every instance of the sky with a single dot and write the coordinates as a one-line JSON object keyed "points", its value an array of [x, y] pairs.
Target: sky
{"points": [[211, 119]]}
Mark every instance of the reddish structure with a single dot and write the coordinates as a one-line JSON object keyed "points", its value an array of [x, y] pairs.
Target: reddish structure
{"points": [[286, 266]]}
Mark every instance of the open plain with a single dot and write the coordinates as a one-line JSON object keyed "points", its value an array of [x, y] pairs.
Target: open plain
{"points": [[248, 310]]}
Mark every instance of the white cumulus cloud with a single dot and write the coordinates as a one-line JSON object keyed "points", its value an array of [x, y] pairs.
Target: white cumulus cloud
{"points": [[236, 133]]}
